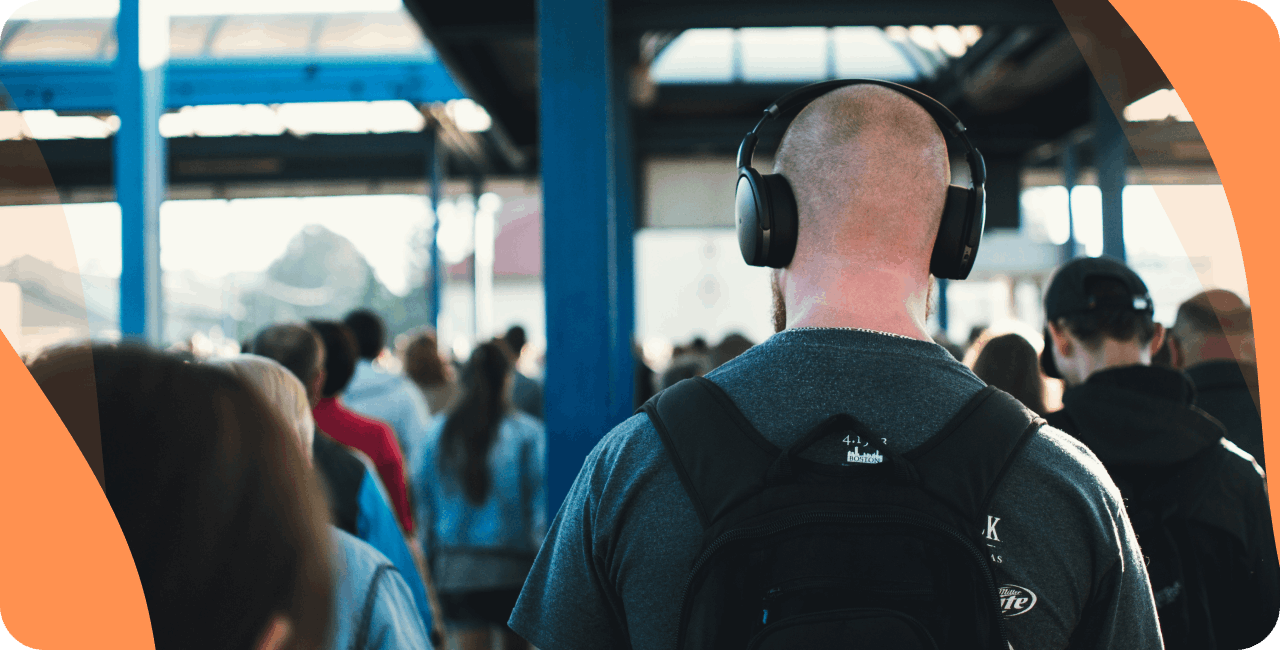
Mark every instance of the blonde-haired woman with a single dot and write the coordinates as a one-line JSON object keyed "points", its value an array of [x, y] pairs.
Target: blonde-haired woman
{"points": [[365, 575]]}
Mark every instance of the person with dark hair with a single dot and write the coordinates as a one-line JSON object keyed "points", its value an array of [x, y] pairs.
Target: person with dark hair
{"points": [[225, 521], [643, 376], [976, 333], [1009, 363], [1198, 503], [1212, 341], [357, 497], [685, 366], [374, 606], [956, 351], [729, 348], [380, 395], [526, 393], [429, 371], [482, 500], [375, 439]]}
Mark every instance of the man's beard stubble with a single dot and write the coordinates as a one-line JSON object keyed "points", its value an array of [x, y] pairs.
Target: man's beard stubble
{"points": [[780, 305]]}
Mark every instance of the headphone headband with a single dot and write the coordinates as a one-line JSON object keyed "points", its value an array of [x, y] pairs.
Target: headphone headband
{"points": [[765, 207], [803, 96]]}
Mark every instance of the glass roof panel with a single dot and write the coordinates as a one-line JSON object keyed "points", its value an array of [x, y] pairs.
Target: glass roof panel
{"points": [[65, 40], [704, 55], [187, 35], [784, 54], [258, 35], [263, 36], [810, 53], [867, 52], [394, 32]]}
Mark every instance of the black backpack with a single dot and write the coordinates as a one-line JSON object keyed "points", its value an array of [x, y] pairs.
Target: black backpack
{"points": [[884, 551], [1168, 538]]}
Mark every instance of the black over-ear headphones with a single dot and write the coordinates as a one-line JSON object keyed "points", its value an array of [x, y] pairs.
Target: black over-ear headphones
{"points": [[765, 207]]}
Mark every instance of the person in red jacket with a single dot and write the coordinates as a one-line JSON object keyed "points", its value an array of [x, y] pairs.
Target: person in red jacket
{"points": [[375, 439]]}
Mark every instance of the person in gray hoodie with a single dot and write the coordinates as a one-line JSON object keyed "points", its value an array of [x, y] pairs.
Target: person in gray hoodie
{"points": [[1198, 502]]}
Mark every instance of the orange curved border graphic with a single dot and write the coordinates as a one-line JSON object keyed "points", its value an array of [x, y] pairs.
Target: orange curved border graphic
{"points": [[1217, 54], [67, 579], [66, 576]]}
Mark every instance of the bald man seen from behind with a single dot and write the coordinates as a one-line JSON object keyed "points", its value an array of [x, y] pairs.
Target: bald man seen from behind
{"points": [[869, 170], [1212, 341]]}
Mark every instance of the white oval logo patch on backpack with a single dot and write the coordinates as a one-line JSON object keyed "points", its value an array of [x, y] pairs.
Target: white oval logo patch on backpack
{"points": [[1015, 600]]}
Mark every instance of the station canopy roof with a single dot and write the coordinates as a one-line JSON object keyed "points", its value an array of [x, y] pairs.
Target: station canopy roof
{"points": [[806, 54], [381, 34]]}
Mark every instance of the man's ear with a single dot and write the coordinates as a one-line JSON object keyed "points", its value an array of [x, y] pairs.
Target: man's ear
{"points": [[1157, 340], [276, 633], [1060, 340]]}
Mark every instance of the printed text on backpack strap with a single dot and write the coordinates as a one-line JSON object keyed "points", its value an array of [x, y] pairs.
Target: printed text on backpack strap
{"points": [[963, 462], [709, 441], [361, 638]]}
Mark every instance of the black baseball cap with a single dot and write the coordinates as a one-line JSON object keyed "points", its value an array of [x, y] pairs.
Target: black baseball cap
{"points": [[1068, 292], [1068, 295]]}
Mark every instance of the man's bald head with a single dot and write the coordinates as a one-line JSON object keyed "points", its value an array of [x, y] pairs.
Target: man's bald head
{"points": [[1211, 325], [869, 169]]}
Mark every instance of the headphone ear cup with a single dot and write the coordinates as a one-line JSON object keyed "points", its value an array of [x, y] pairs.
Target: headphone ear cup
{"points": [[959, 233], [747, 206], [784, 218]]}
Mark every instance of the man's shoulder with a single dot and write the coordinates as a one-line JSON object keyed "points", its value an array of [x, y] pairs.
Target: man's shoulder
{"points": [[359, 556], [632, 445], [1057, 470]]}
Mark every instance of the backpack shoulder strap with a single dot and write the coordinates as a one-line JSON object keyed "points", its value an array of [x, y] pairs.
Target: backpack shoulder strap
{"points": [[719, 456], [365, 622], [968, 457]]}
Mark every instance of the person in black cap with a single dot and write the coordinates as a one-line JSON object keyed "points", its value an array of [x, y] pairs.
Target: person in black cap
{"points": [[1197, 502]]}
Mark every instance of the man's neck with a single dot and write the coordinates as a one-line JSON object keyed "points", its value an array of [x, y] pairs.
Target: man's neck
{"points": [[879, 300], [1115, 354]]}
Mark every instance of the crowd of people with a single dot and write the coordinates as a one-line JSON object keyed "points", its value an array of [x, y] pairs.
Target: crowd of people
{"points": [[300, 495]]}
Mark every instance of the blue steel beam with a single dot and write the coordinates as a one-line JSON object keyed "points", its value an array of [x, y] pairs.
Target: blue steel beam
{"points": [[579, 172], [1110, 156], [436, 191], [1070, 173], [622, 266], [89, 86], [139, 169]]}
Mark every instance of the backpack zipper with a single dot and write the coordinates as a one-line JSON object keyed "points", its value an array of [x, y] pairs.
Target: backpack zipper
{"points": [[799, 520]]}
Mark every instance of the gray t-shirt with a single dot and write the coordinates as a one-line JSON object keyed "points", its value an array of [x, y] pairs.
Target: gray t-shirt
{"points": [[611, 571]]}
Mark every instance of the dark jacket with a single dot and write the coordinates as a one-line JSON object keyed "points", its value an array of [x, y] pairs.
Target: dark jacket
{"points": [[1201, 502], [360, 508], [1228, 391], [526, 395]]}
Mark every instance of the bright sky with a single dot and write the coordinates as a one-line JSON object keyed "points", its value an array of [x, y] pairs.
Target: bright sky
{"points": [[54, 9]]}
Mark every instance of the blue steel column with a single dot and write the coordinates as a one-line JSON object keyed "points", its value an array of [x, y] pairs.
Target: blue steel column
{"points": [[1110, 149], [433, 248], [140, 159], [1070, 173], [622, 283], [578, 162]]}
